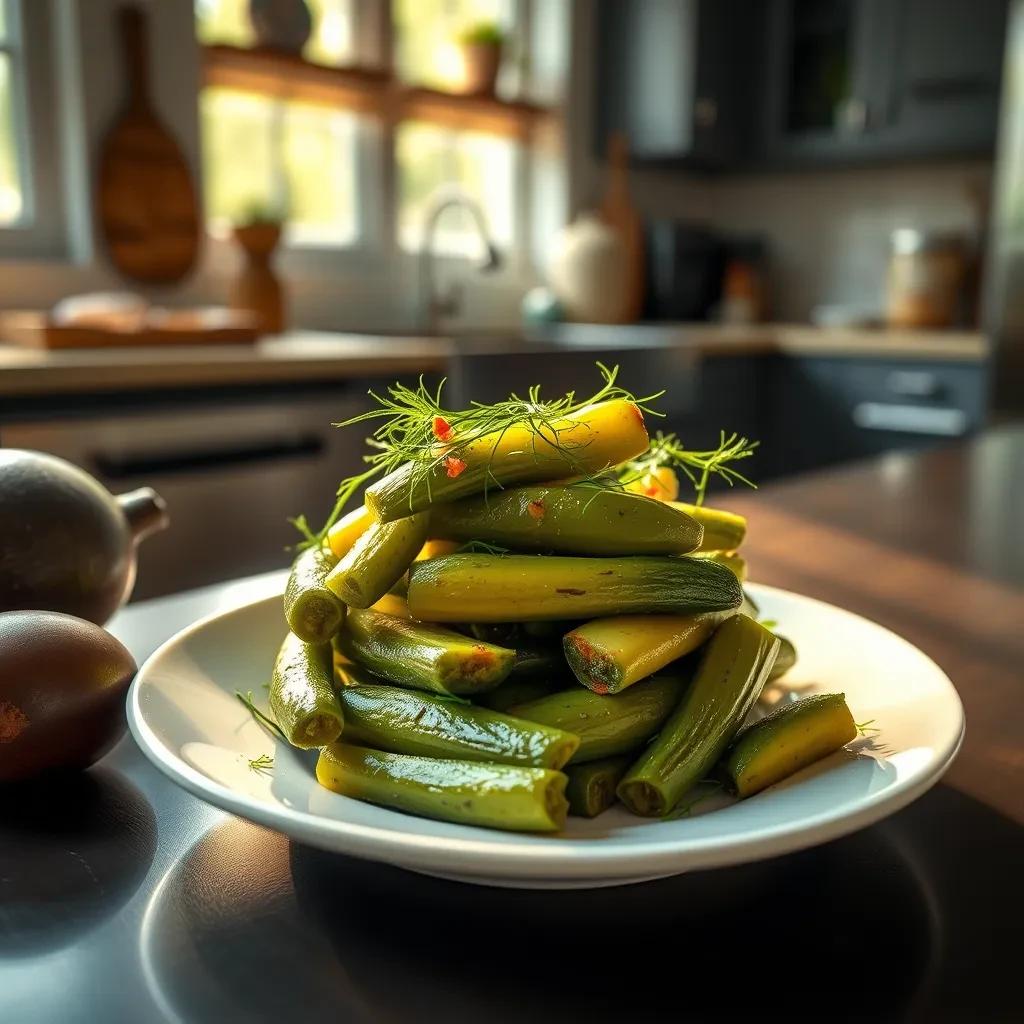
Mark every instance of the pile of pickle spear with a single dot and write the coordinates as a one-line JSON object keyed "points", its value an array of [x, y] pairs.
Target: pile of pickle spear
{"points": [[510, 643]]}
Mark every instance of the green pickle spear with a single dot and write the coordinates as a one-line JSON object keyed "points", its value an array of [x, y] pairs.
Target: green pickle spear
{"points": [[314, 612], [607, 655], [302, 696], [734, 668], [785, 661], [790, 738], [502, 588], [723, 531], [573, 520], [606, 725], [591, 786], [421, 655], [519, 690], [588, 440], [510, 797], [406, 722], [377, 561]]}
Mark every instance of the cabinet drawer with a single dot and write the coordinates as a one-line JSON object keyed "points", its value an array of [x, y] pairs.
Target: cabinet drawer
{"points": [[933, 399]]}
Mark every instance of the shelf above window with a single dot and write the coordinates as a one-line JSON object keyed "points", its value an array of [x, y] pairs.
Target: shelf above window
{"points": [[363, 90]]}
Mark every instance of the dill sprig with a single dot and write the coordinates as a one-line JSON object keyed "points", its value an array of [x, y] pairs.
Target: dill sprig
{"points": [[699, 467], [414, 427], [481, 547], [702, 791], [261, 718], [863, 728], [262, 765]]}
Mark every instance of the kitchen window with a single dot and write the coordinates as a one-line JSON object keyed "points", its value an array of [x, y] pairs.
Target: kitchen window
{"points": [[351, 145], [262, 156], [31, 198]]}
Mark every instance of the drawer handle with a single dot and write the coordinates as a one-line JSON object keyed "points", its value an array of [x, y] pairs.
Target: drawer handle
{"points": [[151, 464], [914, 384], [911, 419]]}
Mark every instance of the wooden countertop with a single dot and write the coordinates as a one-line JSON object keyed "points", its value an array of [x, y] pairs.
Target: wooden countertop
{"points": [[312, 355], [930, 546], [296, 356]]}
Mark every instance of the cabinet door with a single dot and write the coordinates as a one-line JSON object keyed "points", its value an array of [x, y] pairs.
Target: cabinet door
{"points": [[816, 100], [855, 81], [670, 74], [943, 87]]}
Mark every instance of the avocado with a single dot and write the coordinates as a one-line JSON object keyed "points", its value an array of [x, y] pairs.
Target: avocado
{"points": [[63, 683]]}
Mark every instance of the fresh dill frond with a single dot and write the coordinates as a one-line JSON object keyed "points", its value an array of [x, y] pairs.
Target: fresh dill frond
{"points": [[414, 427], [481, 547], [262, 765], [261, 719], [706, 789], [863, 728], [699, 467]]}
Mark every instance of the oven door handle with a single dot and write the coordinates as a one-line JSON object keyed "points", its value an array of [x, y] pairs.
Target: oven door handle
{"points": [[173, 462]]}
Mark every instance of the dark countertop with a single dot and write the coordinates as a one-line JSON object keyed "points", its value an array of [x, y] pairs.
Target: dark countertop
{"points": [[141, 903]]}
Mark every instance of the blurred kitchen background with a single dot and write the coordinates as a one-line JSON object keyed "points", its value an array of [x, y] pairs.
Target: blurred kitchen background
{"points": [[222, 222]]}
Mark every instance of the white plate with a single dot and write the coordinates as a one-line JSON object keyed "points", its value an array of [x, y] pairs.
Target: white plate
{"points": [[183, 713]]}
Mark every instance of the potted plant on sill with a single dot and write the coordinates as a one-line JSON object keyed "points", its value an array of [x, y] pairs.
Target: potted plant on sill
{"points": [[480, 49], [257, 288]]}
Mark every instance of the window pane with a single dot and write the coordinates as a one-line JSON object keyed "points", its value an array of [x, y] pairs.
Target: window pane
{"points": [[482, 165], [331, 42], [224, 21], [320, 161], [238, 171], [262, 155], [11, 200], [425, 31]]}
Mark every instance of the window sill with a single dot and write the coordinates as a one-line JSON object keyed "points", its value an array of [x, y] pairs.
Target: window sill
{"points": [[364, 90]]}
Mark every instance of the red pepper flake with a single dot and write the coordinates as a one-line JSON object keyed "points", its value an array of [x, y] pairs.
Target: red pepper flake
{"points": [[442, 429], [453, 466], [651, 490], [535, 510]]}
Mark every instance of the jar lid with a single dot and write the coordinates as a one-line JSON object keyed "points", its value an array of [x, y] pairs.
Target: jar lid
{"points": [[907, 241]]}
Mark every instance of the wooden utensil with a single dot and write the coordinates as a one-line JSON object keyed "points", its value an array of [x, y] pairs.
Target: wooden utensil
{"points": [[618, 212], [148, 213]]}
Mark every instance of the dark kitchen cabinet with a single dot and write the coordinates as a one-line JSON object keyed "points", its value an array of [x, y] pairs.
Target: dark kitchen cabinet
{"points": [[850, 81], [825, 411], [676, 76]]}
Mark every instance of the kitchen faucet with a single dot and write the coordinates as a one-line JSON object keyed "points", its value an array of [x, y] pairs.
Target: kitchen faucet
{"points": [[435, 306]]}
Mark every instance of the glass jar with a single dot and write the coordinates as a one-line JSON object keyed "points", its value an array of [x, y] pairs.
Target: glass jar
{"points": [[927, 274]]}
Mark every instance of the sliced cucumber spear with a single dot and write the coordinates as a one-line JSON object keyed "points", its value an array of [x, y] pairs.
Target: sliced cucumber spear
{"points": [[423, 656], [503, 588], [734, 668], [790, 738], [573, 520], [587, 441]]}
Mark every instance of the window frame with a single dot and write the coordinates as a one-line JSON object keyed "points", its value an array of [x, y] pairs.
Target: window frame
{"points": [[31, 48], [376, 244]]}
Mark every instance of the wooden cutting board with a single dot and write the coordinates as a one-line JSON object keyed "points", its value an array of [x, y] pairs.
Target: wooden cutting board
{"points": [[618, 212], [147, 207]]}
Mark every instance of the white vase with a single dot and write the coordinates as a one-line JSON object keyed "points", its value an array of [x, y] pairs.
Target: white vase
{"points": [[588, 271]]}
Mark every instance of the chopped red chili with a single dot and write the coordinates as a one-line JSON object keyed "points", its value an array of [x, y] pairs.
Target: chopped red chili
{"points": [[535, 509], [453, 466], [442, 429]]}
